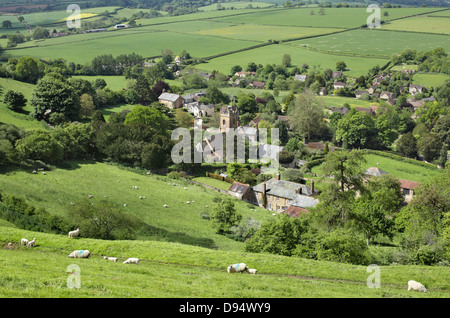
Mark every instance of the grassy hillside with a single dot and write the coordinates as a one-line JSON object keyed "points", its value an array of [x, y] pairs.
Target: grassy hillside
{"points": [[181, 222], [176, 270]]}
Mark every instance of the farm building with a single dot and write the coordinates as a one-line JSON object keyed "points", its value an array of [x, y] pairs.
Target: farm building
{"points": [[278, 195], [243, 191], [408, 188], [172, 101], [300, 77], [338, 85], [415, 89]]}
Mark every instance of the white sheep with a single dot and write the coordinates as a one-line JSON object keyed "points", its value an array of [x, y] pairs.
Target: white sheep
{"points": [[79, 254], [31, 243], [237, 268], [34, 172], [90, 196], [43, 172], [75, 233], [188, 202], [416, 286], [132, 261], [165, 205], [252, 271], [24, 241], [113, 259]]}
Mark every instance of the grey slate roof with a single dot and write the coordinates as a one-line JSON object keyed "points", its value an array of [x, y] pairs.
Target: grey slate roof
{"points": [[303, 201], [169, 97], [282, 188]]}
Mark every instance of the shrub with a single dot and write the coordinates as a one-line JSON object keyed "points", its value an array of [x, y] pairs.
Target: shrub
{"points": [[14, 100]]}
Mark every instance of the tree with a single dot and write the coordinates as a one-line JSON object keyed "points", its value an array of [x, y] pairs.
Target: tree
{"points": [[53, 94], [27, 69], [40, 145], [307, 115], [15, 100], [103, 220], [341, 66], [183, 119], [356, 130], [40, 33], [142, 88], [100, 83], [224, 216], [6, 24], [407, 145], [286, 61], [87, 106], [429, 146], [149, 117], [235, 69], [156, 154]]}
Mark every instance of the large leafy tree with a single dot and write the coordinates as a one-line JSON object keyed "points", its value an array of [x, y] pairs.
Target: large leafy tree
{"points": [[356, 130], [53, 94], [224, 216], [150, 117]]}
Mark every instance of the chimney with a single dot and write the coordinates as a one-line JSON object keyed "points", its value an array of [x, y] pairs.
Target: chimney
{"points": [[312, 187], [264, 188], [278, 176], [164, 90]]}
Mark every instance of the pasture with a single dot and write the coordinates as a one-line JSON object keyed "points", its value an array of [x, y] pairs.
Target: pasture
{"points": [[235, 5], [375, 43], [176, 270], [426, 24], [430, 79]]}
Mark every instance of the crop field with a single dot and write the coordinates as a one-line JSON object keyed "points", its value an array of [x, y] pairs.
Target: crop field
{"points": [[421, 24], [147, 44], [375, 42], [333, 17], [274, 53]]}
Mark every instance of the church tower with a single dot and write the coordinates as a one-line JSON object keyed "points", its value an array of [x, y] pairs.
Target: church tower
{"points": [[229, 118]]}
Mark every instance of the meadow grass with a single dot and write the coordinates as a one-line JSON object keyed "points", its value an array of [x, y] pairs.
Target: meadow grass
{"points": [[177, 270], [399, 169], [114, 83], [180, 223], [420, 24], [430, 79], [235, 5], [214, 183], [375, 42]]}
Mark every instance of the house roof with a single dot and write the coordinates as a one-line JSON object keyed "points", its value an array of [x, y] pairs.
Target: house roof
{"points": [[169, 97], [282, 188], [295, 212], [407, 184], [339, 84], [238, 187], [304, 201], [259, 84], [375, 171]]}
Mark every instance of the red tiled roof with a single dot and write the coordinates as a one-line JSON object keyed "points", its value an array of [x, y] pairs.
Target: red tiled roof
{"points": [[295, 212], [406, 184]]}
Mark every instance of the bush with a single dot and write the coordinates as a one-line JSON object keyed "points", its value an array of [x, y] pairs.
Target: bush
{"points": [[14, 100]]}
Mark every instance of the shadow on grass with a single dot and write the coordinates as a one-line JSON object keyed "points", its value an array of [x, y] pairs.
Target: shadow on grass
{"points": [[159, 234]]}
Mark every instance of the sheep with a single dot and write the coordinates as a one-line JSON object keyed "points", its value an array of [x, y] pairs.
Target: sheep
{"points": [[113, 259], [124, 204], [43, 172], [75, 233], [416, 286], [184, 188], [24, 241], [90, 196], [252, 271], [79, 254], [31, 243], [165, 205], [132, 261], [237, 268], [188, 202], [34, 172]]}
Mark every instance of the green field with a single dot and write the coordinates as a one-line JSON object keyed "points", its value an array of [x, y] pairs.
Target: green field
{"points": [[430, 79], [375, 42], [235, 5], [421, 24], [273, 54], [214, 183], [171, 270], [333, 17], [399, 169]]}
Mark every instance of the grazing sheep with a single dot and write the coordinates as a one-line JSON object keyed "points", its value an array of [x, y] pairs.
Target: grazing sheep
{"points": [[34, 172], [43, 172], [185, 188], [90, 196], [125, 204], [252, 271], [31, 243], [24, 241], [113, 259], [75, 233], [237, 268], [188, 202], [80, 254], [165, 205], [416, 286], [132, 261]]}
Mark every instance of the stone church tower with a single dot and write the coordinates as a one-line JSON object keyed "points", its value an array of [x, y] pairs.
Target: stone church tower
{"points": [[229, 118]]}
